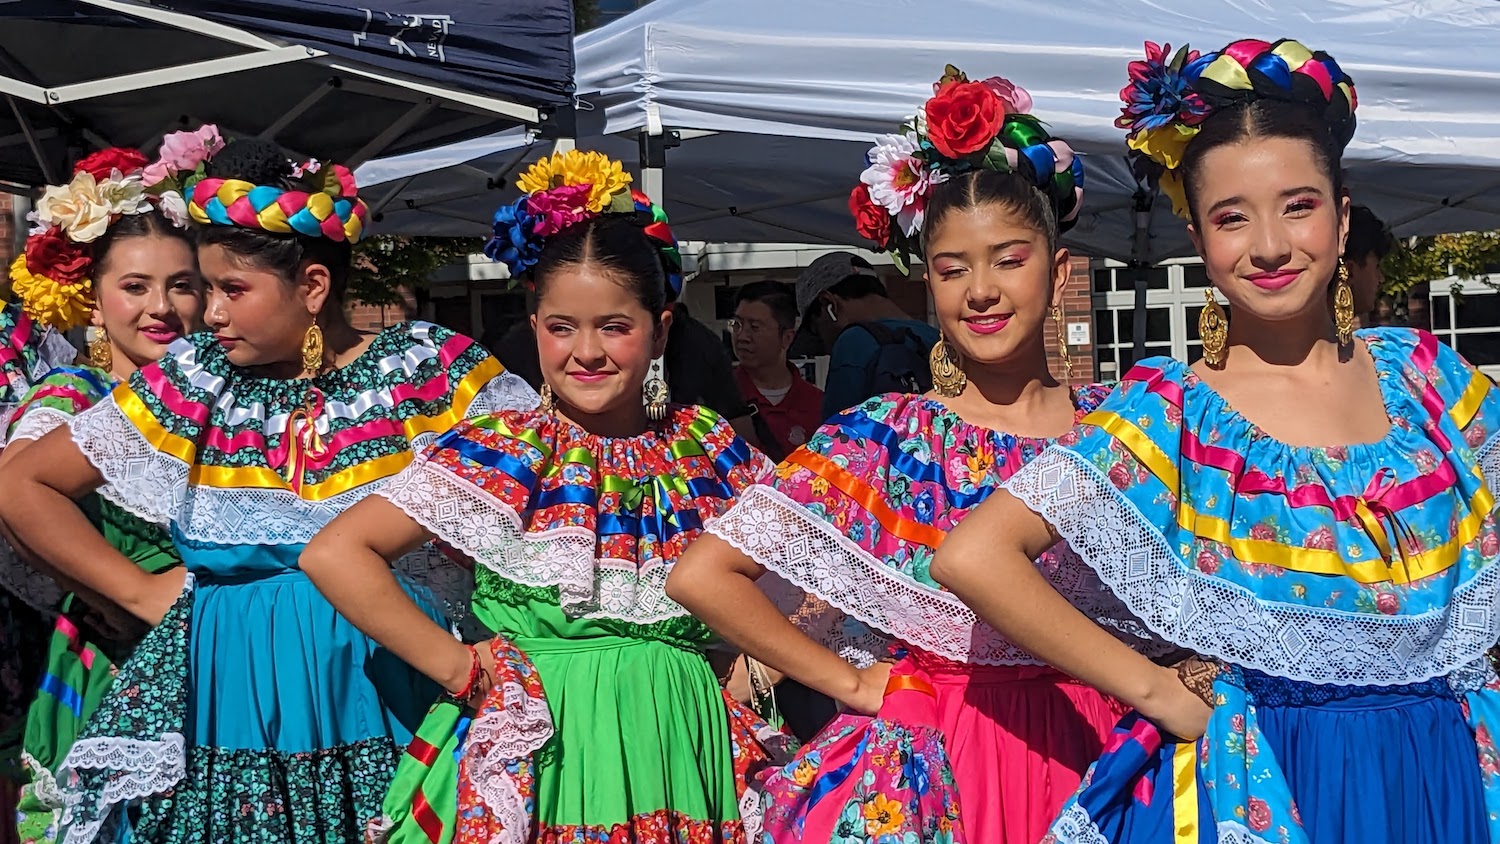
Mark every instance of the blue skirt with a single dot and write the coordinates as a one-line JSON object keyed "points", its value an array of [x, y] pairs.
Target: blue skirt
{"points": [[1286, 761]]}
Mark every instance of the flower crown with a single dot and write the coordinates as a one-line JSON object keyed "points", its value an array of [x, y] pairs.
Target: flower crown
{"points": [[568, 188], [51, 277], [1171, 94], [965, 126]]}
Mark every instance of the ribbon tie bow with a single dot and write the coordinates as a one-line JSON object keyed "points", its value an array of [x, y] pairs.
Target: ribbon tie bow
{"points": [[1379, 520], [304, 443]]}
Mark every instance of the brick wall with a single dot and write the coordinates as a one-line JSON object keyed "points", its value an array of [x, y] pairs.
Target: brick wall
{"points": [[1077, 307], [375, 317]]}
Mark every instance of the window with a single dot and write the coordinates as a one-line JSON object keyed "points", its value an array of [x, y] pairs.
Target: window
{"points": [[1469, 322], [1174, 298]]}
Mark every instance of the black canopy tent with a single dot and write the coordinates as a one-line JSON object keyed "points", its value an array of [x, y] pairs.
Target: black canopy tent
{"points": [[331, 79]]}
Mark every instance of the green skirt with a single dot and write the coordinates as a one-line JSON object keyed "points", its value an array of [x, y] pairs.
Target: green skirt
{"points": [[79, 672], [643, 746]]}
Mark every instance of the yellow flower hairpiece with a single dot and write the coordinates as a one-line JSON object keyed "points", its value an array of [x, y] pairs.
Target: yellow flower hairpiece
{"points": [[61, 306], [604, 176]]}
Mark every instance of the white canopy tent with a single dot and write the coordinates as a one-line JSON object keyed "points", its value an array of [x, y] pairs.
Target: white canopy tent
{"points": [[775, 101]]}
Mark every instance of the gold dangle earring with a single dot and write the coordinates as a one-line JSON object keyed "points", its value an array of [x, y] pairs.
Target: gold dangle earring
{"points": [[1343, 306], [1062, 346], [655, 392], [1213, 330], [548, 403], [948, 380], [101, 354], [312, 351]]}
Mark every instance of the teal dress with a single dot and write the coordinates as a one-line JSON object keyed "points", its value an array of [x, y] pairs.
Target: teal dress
{"points": [[255, 712]]}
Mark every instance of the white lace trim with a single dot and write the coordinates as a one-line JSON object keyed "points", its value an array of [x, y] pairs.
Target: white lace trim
{"points": [[781, 535], [1074, 826], [37, 423], [1215, 618], [1234, 832], [43, 786], [378, 831], [55, 351], [450, 582], [154, 486], [490, 532], [496, 739], [35, 589], [507, 392], [1488, 458], [144, 767]]}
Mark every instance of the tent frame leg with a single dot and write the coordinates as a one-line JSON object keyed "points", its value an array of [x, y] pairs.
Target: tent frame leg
{"points": [[32, 141]]}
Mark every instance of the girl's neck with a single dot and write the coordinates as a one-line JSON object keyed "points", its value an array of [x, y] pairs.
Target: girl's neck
{"points": [[617, 423], [1259, 344], [1018, 396]]}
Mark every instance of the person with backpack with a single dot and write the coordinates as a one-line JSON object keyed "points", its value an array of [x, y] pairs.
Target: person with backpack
{"points": [[875, 347]]}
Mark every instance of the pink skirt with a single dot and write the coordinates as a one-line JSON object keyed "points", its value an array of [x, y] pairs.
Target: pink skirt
{"points": [[958, 753]]}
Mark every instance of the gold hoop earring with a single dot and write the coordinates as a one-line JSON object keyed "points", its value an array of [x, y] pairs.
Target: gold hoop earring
{"points": [[1213, 330], [312, 351], [656, 393], [948, 380], [1062, 345], [101, 354], [548, 403], [1343, 306]]}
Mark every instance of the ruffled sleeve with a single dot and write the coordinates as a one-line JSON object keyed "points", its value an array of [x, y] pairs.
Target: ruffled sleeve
{"points": [[443, 377], [540, 503], [147, 430], [28, 352], [64, 393], [1368, 563], [848, 527], [1462, 394]]}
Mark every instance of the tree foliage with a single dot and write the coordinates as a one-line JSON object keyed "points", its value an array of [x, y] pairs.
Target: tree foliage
{"points": [[387, 265], [1417, 260], [585, 15]]}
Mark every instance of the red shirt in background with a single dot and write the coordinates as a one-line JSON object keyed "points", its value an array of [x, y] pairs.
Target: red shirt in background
{"points": [[792, 420]]}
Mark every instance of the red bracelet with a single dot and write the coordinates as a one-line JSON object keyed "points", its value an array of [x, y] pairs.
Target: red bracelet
{"points": [[464, 694]]}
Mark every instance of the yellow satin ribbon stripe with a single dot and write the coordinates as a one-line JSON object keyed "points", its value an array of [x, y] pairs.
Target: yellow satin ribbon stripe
{"points": [[463, 396], [1308, 560], [1468, 404], [1185, 793], [144, 421], [839, 477], [262, 477]]}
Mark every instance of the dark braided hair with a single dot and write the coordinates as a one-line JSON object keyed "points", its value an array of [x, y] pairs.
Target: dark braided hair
{"points": [[264, 163]]}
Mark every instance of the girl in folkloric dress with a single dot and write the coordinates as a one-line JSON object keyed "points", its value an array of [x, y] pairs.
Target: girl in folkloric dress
{"points": [[27, 352], [140, 291], [252, 711], [974, 740], [1309, 509], [599, 718]]}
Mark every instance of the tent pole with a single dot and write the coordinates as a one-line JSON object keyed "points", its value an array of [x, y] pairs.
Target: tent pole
{"points": [[1140, 262], [654, 146], [391, 133], [317, 94], [31, 141]]}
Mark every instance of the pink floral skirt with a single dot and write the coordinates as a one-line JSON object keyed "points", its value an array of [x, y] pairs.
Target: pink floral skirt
{"points": [[958, 753]]}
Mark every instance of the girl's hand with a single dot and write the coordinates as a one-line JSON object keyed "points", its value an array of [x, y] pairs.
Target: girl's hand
{"points": [[159, 595], [869, 691], [1180, 711]]}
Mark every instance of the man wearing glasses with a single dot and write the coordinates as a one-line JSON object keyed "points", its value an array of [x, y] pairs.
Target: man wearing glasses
{"points": [[788, 408]]}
